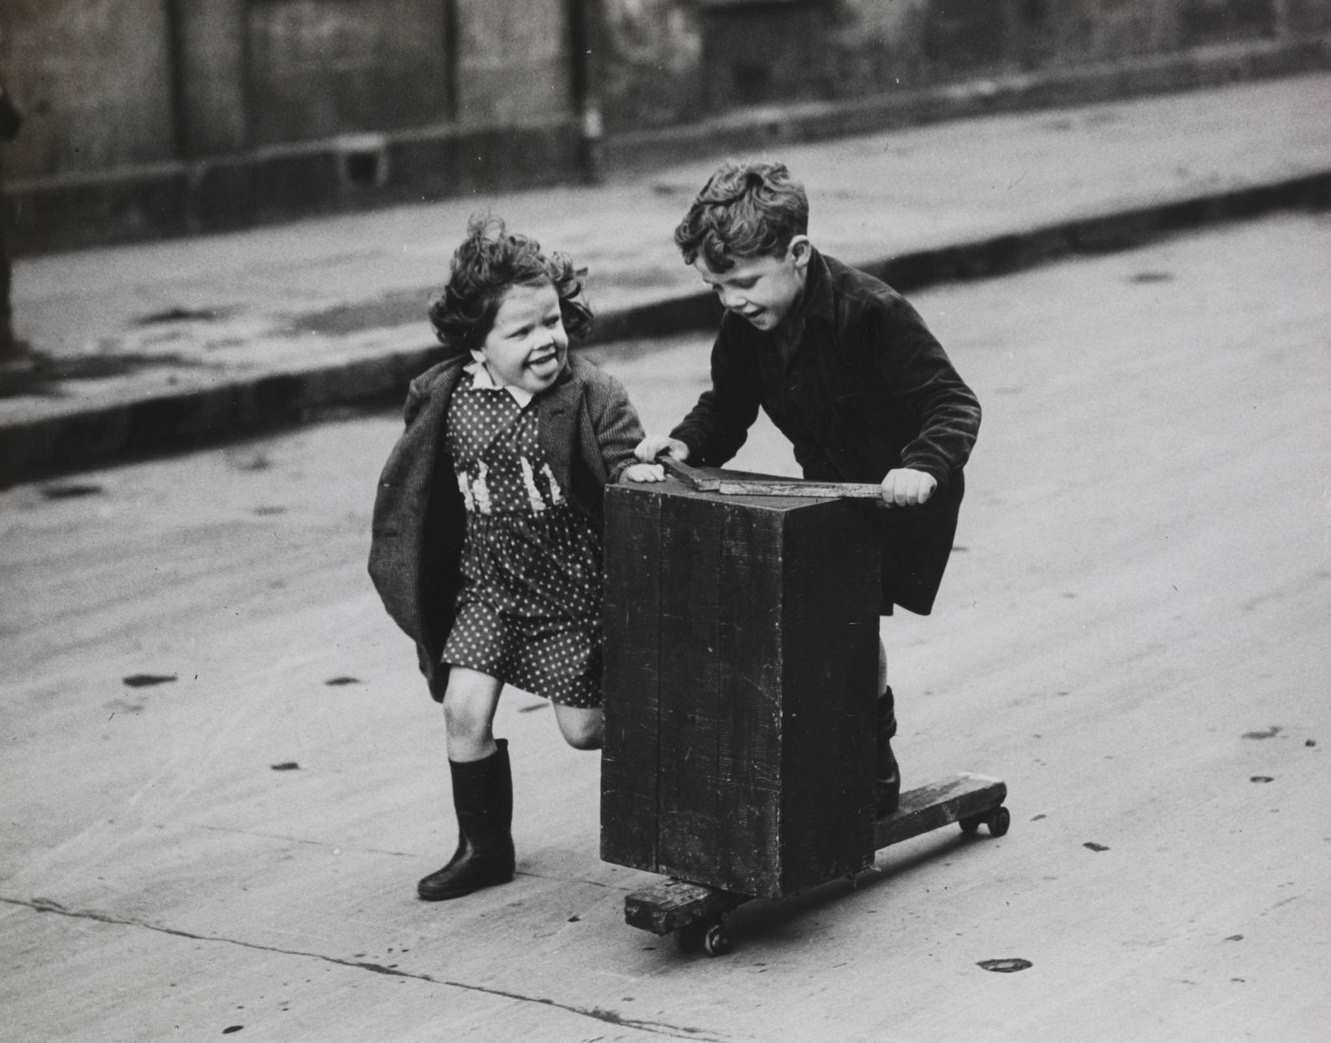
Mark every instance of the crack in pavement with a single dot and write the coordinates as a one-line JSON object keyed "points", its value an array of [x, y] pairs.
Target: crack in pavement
{"points": [[398, 854], [47, 905], [261, 835]]}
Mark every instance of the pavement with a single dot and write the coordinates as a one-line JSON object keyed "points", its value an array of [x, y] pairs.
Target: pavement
{"points": [[149, 348]]}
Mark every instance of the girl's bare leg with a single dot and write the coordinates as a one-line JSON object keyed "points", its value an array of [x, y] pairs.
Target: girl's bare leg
{"points": [[583, 729], [482, 790], [470, 701]]}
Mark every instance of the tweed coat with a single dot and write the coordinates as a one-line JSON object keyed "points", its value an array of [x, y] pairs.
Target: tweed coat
{"points": [[588, 431]]}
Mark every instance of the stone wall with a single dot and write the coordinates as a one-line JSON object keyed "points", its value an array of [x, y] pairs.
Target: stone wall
{"points": [[162, 117], [94, 80], [316, 68], [668, 57], [112, 83], [107, 84]]}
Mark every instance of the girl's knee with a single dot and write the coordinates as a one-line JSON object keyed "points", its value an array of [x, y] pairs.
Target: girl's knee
{"points": [[469, 705], [465, 722], [586, 740], [582, 729]]}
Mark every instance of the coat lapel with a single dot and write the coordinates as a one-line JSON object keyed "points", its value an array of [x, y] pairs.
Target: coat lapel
{"points": [[558, 420]]}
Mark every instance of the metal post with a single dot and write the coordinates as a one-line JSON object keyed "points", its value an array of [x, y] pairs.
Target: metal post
{"points": [[585, 41]]}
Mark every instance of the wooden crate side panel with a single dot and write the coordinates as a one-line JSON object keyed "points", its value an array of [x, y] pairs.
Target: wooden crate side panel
{"points": [[688, 827], [832, 598], [629, 760], [749, 653]]}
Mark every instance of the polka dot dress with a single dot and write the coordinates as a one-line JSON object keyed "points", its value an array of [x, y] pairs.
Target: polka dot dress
{"points": [[529, 609]]}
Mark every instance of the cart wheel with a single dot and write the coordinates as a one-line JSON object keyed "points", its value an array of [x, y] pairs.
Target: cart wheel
{"points": [[998, 821], [970, 826], [716, 941], [691, 937]]}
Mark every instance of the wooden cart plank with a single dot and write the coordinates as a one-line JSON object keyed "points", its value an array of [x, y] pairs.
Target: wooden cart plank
{"points": [[732, 484], [817, 490], [931, 807], [671, 904]]}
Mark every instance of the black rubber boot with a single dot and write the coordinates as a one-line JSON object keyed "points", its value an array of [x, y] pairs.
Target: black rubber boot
{"points": [[887, 776], [483, 799]]}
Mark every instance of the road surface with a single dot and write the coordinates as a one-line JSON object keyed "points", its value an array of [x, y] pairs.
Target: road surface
{"points": [[222, 775]]}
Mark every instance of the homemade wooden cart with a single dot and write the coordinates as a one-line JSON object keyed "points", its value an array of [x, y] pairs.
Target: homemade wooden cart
{"points": [[740, 677]]}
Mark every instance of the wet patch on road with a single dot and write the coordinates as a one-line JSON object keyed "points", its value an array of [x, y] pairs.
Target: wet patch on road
{"points": [[390, 309], [179, 314], [1007, 965], [248, 461], [71, 490], [148, 680]]}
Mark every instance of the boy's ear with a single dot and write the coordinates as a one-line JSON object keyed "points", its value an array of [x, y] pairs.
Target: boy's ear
{"points": [[800, 251]]}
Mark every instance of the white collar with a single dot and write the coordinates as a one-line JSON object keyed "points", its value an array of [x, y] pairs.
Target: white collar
{"points": [[481, 378]]}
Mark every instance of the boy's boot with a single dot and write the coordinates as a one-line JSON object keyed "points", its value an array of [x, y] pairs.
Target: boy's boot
{"points": [[483, 799], [887, 776]]}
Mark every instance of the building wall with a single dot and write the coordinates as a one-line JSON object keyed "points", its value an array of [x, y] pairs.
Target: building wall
{"points": [[317, 68], [113, 84], [728, 53], [116, 83], [513, 61], [93, 78], [1307, 16], [650, 62]]}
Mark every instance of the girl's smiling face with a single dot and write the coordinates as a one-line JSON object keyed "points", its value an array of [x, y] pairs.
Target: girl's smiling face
{"points": [[527, 345]]}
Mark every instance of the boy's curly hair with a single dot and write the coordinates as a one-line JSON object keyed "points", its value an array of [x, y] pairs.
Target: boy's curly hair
{"points": [[744, 210], [489, 261]]}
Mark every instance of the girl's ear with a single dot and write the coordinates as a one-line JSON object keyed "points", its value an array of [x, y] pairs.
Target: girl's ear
{"points": [[576, 316]]}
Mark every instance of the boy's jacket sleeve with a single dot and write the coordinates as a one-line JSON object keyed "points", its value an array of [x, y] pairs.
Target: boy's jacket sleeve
{"points": [[718, 425]]}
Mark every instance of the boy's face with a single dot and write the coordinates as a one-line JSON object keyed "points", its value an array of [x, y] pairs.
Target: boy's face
{"points": [[527, 346], [761, 290]]}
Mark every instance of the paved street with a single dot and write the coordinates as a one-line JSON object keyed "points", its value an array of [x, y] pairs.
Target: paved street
{"points": [[223, 776]]}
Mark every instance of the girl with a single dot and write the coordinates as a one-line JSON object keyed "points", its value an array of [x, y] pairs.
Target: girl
{"points": [[486, 542]]}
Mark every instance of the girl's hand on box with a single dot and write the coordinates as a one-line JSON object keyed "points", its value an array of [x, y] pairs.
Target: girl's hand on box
{"points": [[907, 487], [643, 473]]}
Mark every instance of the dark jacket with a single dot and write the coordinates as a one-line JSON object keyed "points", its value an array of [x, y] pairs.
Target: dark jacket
{"points": [[865, 389], [588, 431]]}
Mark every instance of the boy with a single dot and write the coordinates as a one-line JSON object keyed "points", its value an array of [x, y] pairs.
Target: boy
{"points": [[845, 368]]}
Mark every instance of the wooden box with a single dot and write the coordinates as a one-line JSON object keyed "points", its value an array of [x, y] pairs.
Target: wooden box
{"points": [[741, 667]]}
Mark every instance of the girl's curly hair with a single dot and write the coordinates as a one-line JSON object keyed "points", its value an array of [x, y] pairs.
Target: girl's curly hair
{"points": [[745, 210], [489, 261]]}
